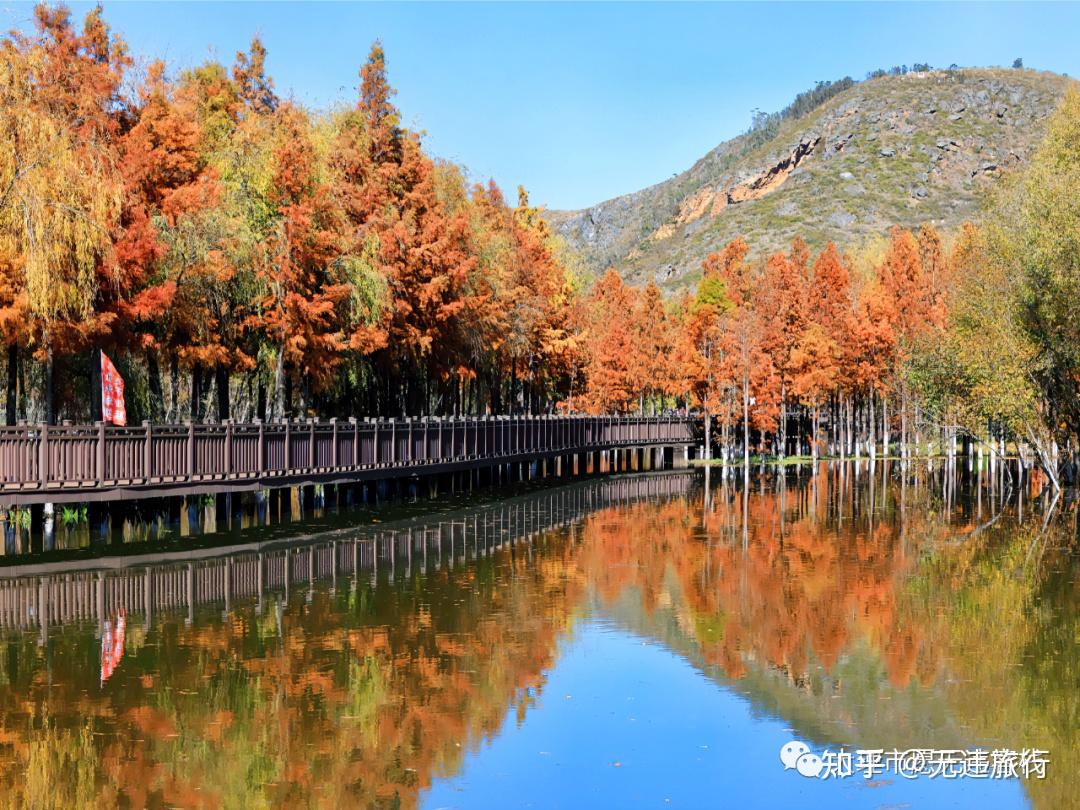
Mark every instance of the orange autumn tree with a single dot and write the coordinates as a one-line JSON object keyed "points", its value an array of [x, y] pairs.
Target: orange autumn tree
{"points": [[489, 340], [815, 374], [300, 313], [167, 183], [654, 357], [911, 306], [418, 246], [520, 302], [215, 228], [830, 308], [783, 311], [540, 317], [62, 192], [706, 352], [610, 371], [749, 367]]}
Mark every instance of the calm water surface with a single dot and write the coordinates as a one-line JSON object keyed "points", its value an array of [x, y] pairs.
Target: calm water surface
{"points": [[647, 641]]}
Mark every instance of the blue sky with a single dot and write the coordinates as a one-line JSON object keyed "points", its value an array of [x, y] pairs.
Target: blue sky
{"points": [[582, 102]]}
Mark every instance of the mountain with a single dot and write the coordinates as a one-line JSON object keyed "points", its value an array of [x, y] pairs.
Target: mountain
{"points": [[891, 150]]}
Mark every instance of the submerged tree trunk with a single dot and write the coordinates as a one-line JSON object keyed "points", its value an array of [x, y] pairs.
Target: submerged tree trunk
{"points": [[783, 419], [746, 421], [872, 443], [708, 435], [903, 426], [884, 428]]}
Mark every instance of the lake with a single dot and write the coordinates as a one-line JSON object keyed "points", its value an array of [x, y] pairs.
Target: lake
{"points": [[648, 640]]}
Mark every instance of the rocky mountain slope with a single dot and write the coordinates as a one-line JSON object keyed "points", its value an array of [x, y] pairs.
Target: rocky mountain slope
{"points": [[904, 150]]}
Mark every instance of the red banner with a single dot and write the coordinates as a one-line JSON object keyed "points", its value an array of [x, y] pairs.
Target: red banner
{"points": [[112, 393]]}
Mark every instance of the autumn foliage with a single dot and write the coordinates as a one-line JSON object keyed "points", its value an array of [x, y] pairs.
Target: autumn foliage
{"points": [[242, 256]]}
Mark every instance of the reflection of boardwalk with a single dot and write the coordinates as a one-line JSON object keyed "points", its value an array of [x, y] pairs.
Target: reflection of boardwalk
{"points": [[59, 593]]}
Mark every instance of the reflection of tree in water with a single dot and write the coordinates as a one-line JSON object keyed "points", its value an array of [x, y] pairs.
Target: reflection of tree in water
{"points": [[800, 586], [353, 698], [821, 599], [864, 623]]}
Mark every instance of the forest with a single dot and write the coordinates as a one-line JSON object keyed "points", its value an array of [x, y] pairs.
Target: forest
{"points": [[239, 256]]}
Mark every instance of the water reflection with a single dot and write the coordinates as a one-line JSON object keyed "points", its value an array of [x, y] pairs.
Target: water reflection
{"points": [[858, 606]]}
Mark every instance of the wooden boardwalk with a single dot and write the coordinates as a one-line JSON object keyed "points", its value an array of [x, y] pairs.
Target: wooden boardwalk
{"points": [[76, 463], [38, 596]]}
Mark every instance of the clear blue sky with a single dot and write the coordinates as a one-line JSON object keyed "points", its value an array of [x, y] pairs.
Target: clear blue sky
{"points": [[581, 103]]}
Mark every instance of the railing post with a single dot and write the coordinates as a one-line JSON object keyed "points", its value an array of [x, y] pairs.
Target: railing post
{"points": [[260, 453], [355, 442], [43, 455], [311, 443], [333, 450], [228, 447], [375, 443], [191, 450], [393, 441], [99, 461], [287, 462], [148, 453]]}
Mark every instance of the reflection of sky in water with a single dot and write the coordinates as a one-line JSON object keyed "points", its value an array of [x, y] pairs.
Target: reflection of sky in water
{"points": [[623, 722]]}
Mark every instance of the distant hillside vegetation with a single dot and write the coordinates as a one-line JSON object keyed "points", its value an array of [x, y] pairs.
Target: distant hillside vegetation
{"points": [[845, 162]]}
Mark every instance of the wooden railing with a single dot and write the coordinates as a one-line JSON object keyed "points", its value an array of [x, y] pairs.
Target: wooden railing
{"points": [[67, 461]]}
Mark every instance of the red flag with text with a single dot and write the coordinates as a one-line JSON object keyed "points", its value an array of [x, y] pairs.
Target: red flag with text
{"points": [[112, 393]]}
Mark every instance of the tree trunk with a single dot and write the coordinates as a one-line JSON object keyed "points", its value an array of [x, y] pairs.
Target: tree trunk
{"points": [[873, 429], [157, 393], [12, 382], [746, 421], [50, 388], [305, 394], [708, 435], [783, 419], [884, 428], [95, 384], [196, 393], [260, 407], [174, 389], [513, 385], [221, 382], [841, 426], [903, 425]]}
